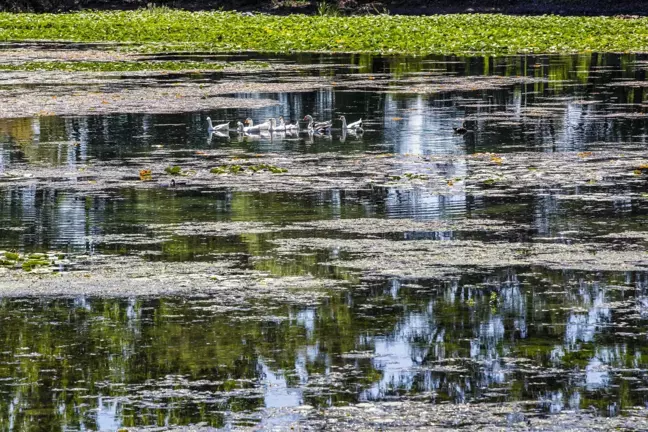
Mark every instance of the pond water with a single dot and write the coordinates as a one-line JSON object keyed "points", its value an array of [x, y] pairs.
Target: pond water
{"points": [[551, 337]]}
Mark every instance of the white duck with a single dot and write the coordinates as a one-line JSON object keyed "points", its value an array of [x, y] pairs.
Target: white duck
{"points": [[353, 133], [289, 127], [312, 125], [255, 128], [274, 127], [357, 125], [264, 126], [212, 128], [242, 129]]}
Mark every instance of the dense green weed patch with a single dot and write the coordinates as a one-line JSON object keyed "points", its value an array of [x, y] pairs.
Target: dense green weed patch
{"points": [[166, 29]]}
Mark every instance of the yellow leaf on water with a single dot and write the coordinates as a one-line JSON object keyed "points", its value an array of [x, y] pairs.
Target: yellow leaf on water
{"points": [[496, 159], [145, 175]]}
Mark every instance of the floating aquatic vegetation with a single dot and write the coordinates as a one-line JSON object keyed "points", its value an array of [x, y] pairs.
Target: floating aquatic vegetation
{"points": [[426, 416], [519, 174], [173, 170], [145, 175], [13, 256], [77, 93], [238, 169], [17, 261], [30, 264], [265, 167], [227, 169], [127, 276], [127, 66], [437, 259], [160, 29], [382, 226], [412, 176], [213, 228]]}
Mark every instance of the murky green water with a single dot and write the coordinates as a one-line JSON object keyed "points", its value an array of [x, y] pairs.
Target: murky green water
{"points": [[557, 338]]}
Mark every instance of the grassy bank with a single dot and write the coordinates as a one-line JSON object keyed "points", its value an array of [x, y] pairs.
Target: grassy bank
{"points": [[165, 29]]}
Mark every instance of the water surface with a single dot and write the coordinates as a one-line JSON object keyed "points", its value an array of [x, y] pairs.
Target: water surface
{"points": [[556, 339]]}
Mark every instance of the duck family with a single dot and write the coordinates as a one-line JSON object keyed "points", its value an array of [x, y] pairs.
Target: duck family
{"points": [[274, 125]]}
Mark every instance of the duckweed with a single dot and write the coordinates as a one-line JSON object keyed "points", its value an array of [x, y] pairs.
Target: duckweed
{"points": [[160, 29]]}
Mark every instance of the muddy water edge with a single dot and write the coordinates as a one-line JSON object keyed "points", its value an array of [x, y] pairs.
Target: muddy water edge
{"points": [[156, 275]]}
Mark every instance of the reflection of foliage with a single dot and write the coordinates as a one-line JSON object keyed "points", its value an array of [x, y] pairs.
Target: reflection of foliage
{"points": [[113, 347]]}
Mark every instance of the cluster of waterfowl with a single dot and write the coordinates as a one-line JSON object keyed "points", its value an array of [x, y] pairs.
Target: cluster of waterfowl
{"points": [[271, 125]]}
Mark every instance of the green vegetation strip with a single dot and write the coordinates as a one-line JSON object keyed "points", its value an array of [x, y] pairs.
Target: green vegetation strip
{"points": [[165, 29]]}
